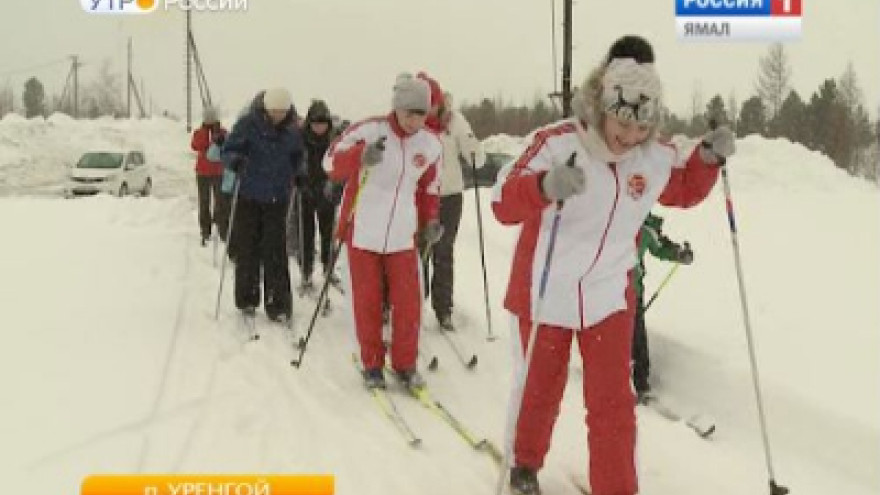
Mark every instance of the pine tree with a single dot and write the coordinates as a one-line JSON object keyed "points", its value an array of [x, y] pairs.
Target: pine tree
{"points": [[752, 118], [34, 98], [792, 122], [830, 125], [715, 110]]}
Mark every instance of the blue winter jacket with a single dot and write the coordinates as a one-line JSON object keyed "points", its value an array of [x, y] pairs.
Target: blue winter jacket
{"points": [[273, 154]]}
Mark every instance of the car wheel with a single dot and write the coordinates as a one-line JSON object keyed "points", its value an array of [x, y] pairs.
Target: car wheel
{"points": [[123, 190], [148, 187]]}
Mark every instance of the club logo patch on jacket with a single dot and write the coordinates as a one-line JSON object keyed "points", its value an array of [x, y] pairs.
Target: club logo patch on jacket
{"points": [[636, 185], [419, 160]]}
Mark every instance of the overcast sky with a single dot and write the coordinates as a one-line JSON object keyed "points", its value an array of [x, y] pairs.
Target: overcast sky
{"points": [[349, 51]]}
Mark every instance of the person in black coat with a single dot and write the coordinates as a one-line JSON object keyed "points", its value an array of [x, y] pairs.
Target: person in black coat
{"points": [[318, 196], [265, 150]]}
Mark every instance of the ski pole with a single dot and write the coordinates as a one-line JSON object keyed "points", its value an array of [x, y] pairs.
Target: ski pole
{"points": [[299, 233], [520, 384], [426, 269], [665, 281], [775, 489], [228, 242], [491, 336], [296, 363]]}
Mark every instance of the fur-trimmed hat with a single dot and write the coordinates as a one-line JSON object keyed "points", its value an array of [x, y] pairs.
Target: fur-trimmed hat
{"points": [[626, 85]]}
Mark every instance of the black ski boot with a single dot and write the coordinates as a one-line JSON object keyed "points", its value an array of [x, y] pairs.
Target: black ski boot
{"points": [[524, 481], [643, 389], [411, 379], [374, 378], [445, 323], [334, 279], [306, 286]]}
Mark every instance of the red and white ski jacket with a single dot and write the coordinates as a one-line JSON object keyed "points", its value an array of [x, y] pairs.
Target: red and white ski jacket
{"points": [[400, 194], [595, 243]]}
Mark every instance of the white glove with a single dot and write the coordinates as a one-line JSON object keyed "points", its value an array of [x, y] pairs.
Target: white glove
{"points": [[718, 145], [433, 232], [564, 181], [372, 154]]}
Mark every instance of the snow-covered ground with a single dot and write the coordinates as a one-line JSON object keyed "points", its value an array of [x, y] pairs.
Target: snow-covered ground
{"points": [[113, 361]]}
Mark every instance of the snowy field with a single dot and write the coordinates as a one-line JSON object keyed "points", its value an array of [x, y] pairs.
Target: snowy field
{"points": [[113, 361]]}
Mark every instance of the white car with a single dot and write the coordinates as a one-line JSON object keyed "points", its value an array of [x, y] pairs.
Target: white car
{"points": [[118, 173]]}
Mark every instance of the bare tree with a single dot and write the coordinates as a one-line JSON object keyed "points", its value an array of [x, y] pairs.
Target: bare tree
{"points": [[7, 100], [733, 108], [697, 124], [697, 105], [106, 90], [851, 95], [774, 74]]}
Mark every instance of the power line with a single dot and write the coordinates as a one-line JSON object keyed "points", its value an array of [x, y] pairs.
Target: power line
{"points": [[33, 67]]}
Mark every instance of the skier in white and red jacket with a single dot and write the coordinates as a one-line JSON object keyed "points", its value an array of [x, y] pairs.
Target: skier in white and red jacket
{"points": [[389, 165], [604, 170]]}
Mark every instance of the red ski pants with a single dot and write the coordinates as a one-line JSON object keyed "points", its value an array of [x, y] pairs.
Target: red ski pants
{"points": [[369, 272], [608, 397]]}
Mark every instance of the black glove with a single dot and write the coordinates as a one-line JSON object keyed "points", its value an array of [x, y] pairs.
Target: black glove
{"points": [[219, 139], [238, 163], [685, 255], [332, 192]]}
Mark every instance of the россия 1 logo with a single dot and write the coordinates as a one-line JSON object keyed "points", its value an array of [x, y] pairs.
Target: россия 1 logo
{"points": [[740, 20]]}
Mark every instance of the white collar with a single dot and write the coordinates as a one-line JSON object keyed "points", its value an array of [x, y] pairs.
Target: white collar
{"points": [[596, 147]]}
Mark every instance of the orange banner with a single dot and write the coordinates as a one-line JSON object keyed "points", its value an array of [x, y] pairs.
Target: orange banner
{"points": [[245, 484]]}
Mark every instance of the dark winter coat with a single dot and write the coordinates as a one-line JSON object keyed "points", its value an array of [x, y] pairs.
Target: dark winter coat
{"points": [[273, 154], [316, 146], [201, 141]]}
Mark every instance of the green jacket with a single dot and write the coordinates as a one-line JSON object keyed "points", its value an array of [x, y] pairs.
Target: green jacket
{"points": [[651, 239]]}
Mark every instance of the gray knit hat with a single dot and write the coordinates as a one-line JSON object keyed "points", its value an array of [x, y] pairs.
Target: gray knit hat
{"points": [[209, 115], [411, 93]]}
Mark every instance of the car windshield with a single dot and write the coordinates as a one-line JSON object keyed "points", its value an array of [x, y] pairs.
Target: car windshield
{"points": [[100, 160]]}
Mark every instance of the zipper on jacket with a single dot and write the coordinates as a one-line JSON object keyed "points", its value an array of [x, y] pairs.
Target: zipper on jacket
{"points": [[396, 194], [613, 167]]}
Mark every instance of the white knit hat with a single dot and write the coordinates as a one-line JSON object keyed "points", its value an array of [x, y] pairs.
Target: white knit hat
{"points": [[631, 91], [411, 93], [277, 99]]}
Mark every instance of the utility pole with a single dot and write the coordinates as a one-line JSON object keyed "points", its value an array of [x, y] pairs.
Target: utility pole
{"points": [[75, 65], [566, 59], [128, 81], [188, 39]]}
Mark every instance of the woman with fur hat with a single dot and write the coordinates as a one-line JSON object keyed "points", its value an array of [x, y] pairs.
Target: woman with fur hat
{"points": [[389, 166], [584, 186]]}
